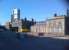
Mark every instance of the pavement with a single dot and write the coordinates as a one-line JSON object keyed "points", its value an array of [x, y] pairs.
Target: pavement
{"points": [[50, 35], [61, 37]]}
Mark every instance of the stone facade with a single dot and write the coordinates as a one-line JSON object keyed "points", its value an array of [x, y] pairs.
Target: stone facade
{"points": [[55, 25]]}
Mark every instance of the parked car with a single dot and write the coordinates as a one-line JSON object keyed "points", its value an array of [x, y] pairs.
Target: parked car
{"points": [[28, 36], [41, 34]]}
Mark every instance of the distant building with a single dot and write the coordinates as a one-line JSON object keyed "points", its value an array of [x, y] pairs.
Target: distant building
{"points": [[19, 25], [15, 17], [3, 28], [25, 25], [8, 25]]}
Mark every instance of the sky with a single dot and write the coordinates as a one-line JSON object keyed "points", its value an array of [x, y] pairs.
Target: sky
{"points": [[39, 10]]}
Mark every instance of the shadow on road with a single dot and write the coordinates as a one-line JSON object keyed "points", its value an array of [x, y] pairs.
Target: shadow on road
{"points": [[43, 43]]}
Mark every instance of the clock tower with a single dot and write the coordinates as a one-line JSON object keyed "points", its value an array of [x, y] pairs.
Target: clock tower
{"points": [[15, 17]]}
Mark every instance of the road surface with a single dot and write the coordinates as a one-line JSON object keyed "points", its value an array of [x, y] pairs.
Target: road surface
{"points": [[8, 41], [44, 43]]}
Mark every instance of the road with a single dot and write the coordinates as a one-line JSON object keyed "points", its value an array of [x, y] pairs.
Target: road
{"points": [[44, 43], [8, 41]]}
